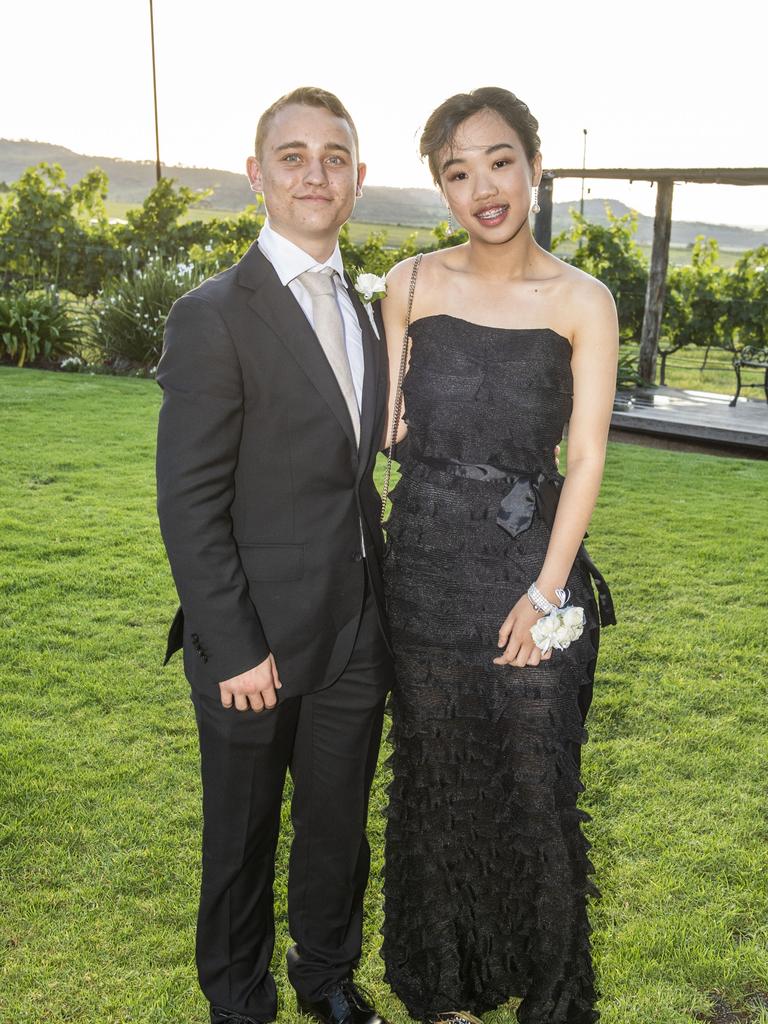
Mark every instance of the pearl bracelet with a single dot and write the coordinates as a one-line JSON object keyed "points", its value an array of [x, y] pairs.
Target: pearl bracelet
{"points": [[540, 602]]}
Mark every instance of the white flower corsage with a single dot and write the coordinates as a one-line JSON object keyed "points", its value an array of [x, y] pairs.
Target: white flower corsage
{"points": [[558, 628], [370, 287]]}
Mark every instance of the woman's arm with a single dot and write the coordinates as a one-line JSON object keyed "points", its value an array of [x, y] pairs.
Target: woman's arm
{"points": [[593, 361], [394, 310]]}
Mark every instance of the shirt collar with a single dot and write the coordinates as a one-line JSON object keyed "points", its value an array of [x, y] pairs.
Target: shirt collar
{"points": [[289, 260]]}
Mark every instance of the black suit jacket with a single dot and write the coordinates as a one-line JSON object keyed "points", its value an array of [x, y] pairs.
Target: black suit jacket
{"points": [[260, 485]]}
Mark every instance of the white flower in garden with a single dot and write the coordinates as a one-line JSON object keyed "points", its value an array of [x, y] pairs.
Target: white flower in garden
{"points": [[72, 364], [370, 287]]}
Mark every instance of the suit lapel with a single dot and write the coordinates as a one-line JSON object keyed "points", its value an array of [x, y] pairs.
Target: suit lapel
{"points": [[371, 354], [275, 304]]}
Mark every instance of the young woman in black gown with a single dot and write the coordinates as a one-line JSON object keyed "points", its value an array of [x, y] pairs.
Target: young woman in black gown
{"points": [[486, 876]]}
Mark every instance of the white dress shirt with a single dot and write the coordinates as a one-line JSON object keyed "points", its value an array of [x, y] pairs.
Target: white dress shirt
{"points": [[289, 261]]}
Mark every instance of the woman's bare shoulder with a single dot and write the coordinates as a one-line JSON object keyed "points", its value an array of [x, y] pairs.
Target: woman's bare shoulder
{"points": [[581, 287], [400, 272], [430, 264], [582, 298], [431, 276]]}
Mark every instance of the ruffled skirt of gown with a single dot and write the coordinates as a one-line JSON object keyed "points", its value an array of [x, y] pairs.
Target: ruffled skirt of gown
{"points": [[486, 876]]}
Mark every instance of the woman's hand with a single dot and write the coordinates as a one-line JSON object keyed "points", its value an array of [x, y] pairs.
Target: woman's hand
{"points": [[515, 637]]}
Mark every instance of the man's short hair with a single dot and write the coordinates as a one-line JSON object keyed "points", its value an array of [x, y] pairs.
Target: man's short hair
{"points": [[308, 96]]}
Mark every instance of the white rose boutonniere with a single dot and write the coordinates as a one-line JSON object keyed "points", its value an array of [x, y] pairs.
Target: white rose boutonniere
{"points": [[370, 287]]}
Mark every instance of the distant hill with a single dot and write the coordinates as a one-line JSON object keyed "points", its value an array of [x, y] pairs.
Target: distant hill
{"points": [[130, 180], [683, 231]]}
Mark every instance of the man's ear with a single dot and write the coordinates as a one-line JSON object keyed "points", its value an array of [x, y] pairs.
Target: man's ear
{"points": [[253, 170], [361, 172]]}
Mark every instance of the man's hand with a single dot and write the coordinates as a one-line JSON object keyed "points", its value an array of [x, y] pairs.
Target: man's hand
{"points": [[256, 689]]}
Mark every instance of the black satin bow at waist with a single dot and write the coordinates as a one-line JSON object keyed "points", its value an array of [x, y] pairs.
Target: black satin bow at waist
{"points": [[528, 493]]}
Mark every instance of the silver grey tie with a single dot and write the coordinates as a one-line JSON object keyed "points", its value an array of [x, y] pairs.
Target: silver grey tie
{"points": [[329, 328]]}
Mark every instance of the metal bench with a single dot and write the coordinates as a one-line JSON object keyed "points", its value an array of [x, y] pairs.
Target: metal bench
{"points": [[751, 358]]}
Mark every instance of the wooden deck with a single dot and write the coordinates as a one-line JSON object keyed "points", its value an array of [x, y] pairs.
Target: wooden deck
{"points": [[694, 421]]}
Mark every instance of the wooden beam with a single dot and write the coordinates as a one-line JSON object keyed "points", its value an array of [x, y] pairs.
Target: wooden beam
{"points": [[702, 175], [542, 224], [657, 281]]}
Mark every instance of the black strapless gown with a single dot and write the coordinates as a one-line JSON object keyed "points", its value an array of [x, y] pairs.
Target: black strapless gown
{"points": [[486, 874]]}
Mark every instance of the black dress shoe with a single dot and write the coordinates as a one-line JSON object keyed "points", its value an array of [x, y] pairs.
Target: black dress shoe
{"points": [[342, 1003], [221, 1015]]}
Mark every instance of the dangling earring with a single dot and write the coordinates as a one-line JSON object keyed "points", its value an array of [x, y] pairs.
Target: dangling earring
{"points": [[451, 226], [536, 208]]}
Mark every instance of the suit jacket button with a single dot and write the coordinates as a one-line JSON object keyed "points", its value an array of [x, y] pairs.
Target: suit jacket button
{"points": [[195, 637], [357, 556]]}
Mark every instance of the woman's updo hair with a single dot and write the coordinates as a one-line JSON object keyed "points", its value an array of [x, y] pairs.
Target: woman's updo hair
{"points": [[442, 124]]}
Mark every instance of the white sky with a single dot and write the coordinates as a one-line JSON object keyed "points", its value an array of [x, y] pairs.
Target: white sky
{"points": [[655, 83]]}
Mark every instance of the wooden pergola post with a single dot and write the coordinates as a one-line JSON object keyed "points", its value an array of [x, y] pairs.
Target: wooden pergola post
{"points": [[657, 281], [542, 224]]}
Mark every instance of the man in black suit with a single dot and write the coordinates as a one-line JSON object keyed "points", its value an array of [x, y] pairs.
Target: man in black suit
{"points": [[274, 402]]}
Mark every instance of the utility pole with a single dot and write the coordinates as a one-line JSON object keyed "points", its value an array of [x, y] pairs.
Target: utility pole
{"points": [[158, 172], [583, 168]]}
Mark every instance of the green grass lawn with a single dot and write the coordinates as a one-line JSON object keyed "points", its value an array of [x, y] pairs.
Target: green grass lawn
{"points": [[684, 370], [100, 802]]}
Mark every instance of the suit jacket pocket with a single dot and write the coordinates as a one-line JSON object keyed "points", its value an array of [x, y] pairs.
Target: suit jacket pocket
{"points": [[272, 562]]}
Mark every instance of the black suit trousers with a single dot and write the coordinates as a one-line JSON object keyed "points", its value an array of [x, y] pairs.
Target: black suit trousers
{"points": [[329, 740]]}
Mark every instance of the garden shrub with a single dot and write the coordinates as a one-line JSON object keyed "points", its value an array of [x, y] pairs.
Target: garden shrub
{"points": [[52, 233], [611, 254], [130, 312], [154, 229], [695, 306], [226, 241], [746, 289], [38, 328]]}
